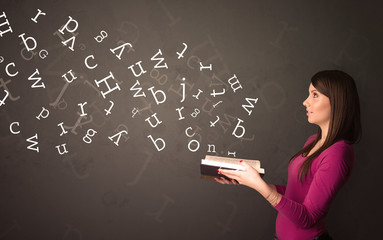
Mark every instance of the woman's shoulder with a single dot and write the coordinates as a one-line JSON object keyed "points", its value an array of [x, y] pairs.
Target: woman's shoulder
{"points": [[340, 146], [339, 151]]}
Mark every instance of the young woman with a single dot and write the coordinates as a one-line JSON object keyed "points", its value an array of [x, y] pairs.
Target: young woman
{"points": [[321, 168]]}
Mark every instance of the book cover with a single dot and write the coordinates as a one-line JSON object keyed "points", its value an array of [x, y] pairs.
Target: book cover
{"points": [[211, 164]]}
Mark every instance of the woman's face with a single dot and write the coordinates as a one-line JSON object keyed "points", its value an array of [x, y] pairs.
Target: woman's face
{"points": [[318, 107]]}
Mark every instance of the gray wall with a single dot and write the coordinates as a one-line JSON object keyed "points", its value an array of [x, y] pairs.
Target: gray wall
{"points": [[99, 190]]}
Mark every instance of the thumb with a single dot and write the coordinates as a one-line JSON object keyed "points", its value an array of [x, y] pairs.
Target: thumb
{"points": [[245, 164]]}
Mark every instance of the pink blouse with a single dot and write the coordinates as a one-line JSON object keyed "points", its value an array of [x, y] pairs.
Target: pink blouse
{"points": [[303, 206]]}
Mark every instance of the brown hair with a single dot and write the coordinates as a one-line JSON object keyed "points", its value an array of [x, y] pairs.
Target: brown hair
{"points": [[345, 123]]}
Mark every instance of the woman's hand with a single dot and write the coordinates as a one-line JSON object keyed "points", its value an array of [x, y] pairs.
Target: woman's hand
{"points": [[248, 177], [251, 178], [223, 180]]}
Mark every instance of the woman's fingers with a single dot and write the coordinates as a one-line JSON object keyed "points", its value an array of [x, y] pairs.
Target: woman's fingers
{"points": [[222, 180], [235, 182], [229, 173], [245, 164]]}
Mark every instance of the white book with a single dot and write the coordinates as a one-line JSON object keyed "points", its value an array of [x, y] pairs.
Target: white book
{"points": [[211, 164]]}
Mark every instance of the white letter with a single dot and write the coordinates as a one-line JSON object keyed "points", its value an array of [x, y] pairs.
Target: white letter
{"points": [[71, 73], [25, 42], [107, 85], [43, 53], [204, 67], [155, 143], [212, 124], [155, 97], [2, 102], [250, 104], [179, 112], [138, 90], [4, 23], [150, 122], [236, 127], [67, 28], [186, 132], [211, 145], [42, 112], [6, 69], [82, 109], [196, 149], [102, 36], [180, 55], [134, 72], [62, 128], [11, 129], [233, 83], [231, 153], [215, 94], [122, 49], [86, 62], [30, 147], [62, 152], [87, 138], [110, 108], [119, 136], [36, 79], [199, 92], [37, 15], [154, 58]]}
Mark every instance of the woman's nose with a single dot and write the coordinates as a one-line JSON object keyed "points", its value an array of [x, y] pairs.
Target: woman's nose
{"points": [[305, 103]]}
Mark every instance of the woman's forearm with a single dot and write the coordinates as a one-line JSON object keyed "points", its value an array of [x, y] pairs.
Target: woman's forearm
{"points": [[269, 192]]}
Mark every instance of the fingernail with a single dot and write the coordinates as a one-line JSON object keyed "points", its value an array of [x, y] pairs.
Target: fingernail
{"points": [[241, 161], [214, 179], [217, 170]]}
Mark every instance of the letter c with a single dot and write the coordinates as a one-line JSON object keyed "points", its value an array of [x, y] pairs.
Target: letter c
{"points": [[186, 132], [86, 62], [11, 129], [10, 74]]}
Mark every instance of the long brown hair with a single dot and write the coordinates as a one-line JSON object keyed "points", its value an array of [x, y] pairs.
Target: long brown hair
{"points": [[345, 123]]}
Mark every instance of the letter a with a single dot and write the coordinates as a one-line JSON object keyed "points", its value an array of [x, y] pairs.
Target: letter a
{"points": [[118, 135]]}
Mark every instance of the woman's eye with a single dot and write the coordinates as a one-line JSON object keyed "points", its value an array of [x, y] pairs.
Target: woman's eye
{"points": [[315, 95]]}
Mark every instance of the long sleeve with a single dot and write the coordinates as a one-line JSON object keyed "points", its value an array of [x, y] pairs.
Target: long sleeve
{"points": [[332, 172], [280, 189]]}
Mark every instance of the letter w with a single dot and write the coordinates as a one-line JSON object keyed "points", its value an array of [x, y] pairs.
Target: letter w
{"points": [[36, 79], [138, 90], [34, 143], [246, 107], [160, 59]]}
